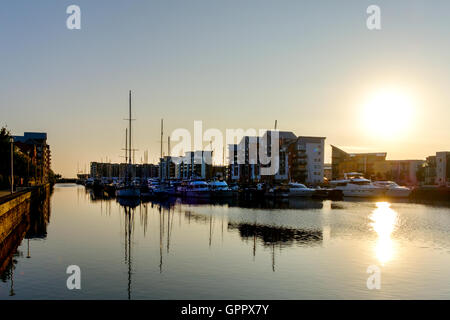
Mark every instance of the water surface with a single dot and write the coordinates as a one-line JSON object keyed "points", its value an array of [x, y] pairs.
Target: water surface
{"points": [[287, 250]]}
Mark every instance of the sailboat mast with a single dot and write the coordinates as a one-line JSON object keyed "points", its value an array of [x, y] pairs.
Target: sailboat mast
{"points": [[129, 124], [162, 124], [126, 145], [169, 160]]}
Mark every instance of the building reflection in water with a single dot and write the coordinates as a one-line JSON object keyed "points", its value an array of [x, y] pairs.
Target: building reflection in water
{"points": [[276, 237], [33, 226], [383, 222]]}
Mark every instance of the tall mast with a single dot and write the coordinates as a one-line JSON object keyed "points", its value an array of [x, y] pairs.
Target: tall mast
{"points": [[129, 124], [162, 123], [126, 145], [168, 145], [169, 161]]}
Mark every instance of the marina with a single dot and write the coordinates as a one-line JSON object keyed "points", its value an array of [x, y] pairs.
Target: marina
{"points": [[201, 154], [219, 189]]}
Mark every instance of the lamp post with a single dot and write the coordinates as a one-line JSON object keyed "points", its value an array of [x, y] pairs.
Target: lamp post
{"points": [[28, 168], [28, 249], [11, 139]]}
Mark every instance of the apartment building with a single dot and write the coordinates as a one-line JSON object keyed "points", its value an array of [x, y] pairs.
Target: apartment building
{"points": [[365, 163], [306, 160], [34, 145], [299, 158], [443, 168], [118, 170], [194, 165]]}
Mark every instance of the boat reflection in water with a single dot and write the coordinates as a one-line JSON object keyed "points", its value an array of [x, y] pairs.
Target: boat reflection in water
{"points": [[129, 203], [288, 203], [383, 222]]}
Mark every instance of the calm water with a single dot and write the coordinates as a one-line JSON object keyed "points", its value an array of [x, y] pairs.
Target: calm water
{"points": [[289, 250]]}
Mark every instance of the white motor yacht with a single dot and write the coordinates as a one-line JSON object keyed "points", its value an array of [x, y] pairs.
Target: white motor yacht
{"points": [[290, 190], [357, 186], [299, 190], [392, 189]]}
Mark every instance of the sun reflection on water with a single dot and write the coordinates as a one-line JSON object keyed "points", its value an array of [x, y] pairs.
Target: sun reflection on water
{"points": [[384, 221]]}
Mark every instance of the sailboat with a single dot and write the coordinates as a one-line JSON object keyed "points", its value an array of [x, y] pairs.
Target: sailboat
{"points": [[129, 189]]}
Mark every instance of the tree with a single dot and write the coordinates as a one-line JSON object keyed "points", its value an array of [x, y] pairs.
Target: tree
{"points": [[53, 177], [420, 174], [23, 167]]}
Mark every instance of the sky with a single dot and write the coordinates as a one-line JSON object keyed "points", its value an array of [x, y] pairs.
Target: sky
{"points": [[310, 65]]}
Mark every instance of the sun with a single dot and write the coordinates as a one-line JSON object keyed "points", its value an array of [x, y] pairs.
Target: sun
{"points": [[388, 113]]}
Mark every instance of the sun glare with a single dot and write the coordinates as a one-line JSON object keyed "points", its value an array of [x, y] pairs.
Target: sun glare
{"points": [[388, 113], [383, 222]]}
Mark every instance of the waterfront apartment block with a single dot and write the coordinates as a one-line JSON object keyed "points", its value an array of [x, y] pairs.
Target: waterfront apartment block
{"points": [[375, 166], [100, 170], [299, 159], [34, 146], [429, 171], [167, 168], [193, 165], [365, 163], [401, 171], [306, 160], [243, 158], [443, 168], [436, 169]]}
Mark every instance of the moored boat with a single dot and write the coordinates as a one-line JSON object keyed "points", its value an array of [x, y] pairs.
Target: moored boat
{"points": [[299, 190], [198, 189], [355, 185], [392, 189], [220, 189], [128, 191]]}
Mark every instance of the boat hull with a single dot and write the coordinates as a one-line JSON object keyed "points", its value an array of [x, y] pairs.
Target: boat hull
{"points": [[128, 193], [198, 194], [363, 193], [300, 193], [160, 194], [221, 194], [398, 193]]}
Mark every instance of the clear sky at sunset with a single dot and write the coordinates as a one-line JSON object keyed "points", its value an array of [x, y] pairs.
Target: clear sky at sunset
{"points": [[312, 65]]}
